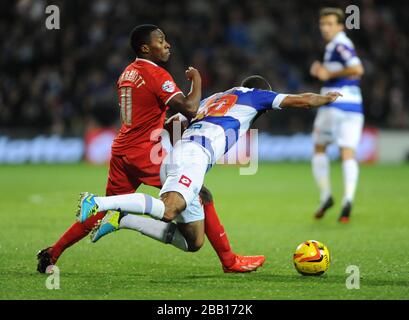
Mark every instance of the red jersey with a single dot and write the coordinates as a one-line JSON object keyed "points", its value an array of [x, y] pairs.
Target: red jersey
{"points": [[144, 90]]}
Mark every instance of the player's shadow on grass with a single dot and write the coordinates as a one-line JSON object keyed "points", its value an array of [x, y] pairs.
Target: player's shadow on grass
{"points": [[234, 278], [327, 278]]}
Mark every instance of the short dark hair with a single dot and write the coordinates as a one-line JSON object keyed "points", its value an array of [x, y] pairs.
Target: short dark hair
{"points": [[257, 82], [333, 11], [141, 35]]}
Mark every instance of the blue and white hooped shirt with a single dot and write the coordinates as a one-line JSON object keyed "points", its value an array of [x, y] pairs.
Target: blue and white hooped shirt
{"points": [[225, 116], [339, 54]]}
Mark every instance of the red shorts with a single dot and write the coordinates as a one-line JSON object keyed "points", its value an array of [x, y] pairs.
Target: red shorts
{"points": [[126, 173]]}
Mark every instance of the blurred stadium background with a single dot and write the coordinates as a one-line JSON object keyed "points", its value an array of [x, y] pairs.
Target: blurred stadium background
{"points": [[57, 87]]}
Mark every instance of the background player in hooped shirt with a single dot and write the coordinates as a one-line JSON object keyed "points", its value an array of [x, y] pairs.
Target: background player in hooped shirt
{"points": [[145, 91], [221, 120], [341, 121]]}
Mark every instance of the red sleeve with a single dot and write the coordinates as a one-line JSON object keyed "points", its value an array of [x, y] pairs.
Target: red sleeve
{"points": [[166, 87]]}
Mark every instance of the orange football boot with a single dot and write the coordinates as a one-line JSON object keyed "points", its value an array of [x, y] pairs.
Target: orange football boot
{"points": [[245, 264]]}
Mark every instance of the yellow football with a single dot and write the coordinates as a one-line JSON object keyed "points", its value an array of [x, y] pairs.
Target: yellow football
{"points": [[311, 258]]}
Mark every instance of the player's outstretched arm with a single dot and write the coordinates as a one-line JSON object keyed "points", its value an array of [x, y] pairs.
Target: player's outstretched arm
{"points": [[309, 100], [189, 105]]}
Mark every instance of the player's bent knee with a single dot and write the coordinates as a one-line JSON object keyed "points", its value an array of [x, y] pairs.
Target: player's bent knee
{"points": [[196, 245], [320, 148], [171, 212], [347, 153], [169, 215], [193, 232]]}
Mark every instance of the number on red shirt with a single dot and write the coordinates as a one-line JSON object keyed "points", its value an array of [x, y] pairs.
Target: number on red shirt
{"points": [[125, 102]]}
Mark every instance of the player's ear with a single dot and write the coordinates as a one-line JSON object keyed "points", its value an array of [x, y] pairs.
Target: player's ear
{"points": [[145, 49]]}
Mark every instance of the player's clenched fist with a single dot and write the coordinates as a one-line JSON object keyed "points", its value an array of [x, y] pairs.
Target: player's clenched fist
{"points": [[192, 73], [319, 71], [314, 68]]}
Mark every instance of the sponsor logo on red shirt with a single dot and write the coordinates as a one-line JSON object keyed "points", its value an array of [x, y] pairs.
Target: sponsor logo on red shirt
{"points": [[168, 86]]}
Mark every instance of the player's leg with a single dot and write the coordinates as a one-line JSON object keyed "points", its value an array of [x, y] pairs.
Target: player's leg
{"points": [[350, 171], [322, 136], [118, 183], [165, 232], [215, 231], [167, 207], [193, 232], [73, 234], [187, 234], [350, 135], [136, 203]]}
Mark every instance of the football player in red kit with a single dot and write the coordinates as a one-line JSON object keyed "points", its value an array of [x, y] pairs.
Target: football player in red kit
{"points": [[145, 92]]}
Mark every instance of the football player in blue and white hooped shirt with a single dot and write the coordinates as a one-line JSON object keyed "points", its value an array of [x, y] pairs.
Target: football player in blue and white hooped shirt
{"points": [[341, 121], [221, 120]]}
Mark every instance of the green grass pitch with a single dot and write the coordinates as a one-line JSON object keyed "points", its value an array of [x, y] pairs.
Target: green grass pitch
{"points": [[269, 213]]}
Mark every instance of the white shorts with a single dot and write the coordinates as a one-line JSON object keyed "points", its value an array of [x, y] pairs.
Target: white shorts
{"points": [[183, 171], [342, 127]]}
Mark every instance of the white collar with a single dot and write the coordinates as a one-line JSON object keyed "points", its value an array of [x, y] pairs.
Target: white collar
{"points": [[338, 36], [145, 60]]}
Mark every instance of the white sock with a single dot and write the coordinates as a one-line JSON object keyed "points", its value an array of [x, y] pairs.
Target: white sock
{"points": [[320, 169], [351, 171], [165, 232], [135, 203]]}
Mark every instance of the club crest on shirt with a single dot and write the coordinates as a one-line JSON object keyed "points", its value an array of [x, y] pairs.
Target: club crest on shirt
{"points": [[168, 86], [345, 54], [185, 181]]}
